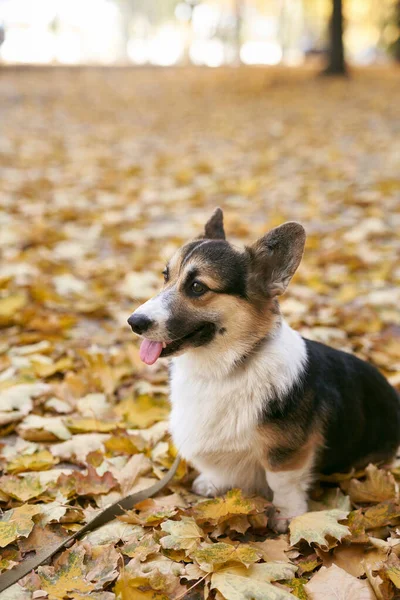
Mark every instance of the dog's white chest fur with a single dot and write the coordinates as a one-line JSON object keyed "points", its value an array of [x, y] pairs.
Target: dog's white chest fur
{"points": [[216, 411]]}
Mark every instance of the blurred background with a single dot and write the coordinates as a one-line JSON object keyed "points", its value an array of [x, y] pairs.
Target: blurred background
{"points": [[124, 123], [199, 32]]}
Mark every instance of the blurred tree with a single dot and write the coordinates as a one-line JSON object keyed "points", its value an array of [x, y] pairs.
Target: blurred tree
{"points": [[2, 33], [239, 10], [336, 62], [156, 12], [395, 46]]}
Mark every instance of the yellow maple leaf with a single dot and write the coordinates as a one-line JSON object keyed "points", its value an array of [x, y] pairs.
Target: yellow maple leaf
{"points": [[313, 527], [88, 425], [16, 523], [211, 555], [21, 488], [254, 583], [143, 411], [67, 575], [232, 504], [128, 587], [183, 535], [40, 461]]}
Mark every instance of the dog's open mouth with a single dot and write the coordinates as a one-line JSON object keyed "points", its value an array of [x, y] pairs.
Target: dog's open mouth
{"points": [[151, 351]]}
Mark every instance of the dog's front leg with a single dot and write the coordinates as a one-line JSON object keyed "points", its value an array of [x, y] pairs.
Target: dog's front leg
{"points": [[289, 490], [207, 484]]}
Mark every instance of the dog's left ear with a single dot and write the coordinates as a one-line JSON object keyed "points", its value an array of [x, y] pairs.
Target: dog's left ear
{"points": [[275, 257], [214, 228]]}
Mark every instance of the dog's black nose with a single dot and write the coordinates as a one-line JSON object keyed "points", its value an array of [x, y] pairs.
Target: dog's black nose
{"points": [[139, 323]]}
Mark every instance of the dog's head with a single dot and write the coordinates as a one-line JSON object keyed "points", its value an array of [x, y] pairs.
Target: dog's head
{"points": [[218, 296]]}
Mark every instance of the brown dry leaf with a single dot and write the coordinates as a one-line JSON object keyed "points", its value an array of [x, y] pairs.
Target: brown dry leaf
{"points": [[273, 550], [336, 584], [89, 484], [102, 565], [42, 537], [378, 486], [148, 513], [355, 558]]}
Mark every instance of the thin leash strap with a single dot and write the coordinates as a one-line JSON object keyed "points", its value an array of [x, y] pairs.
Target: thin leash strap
{"points": [[118, 508]]}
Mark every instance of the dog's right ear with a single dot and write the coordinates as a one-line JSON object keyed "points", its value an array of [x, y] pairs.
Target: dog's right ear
{"points": [[214, 228], [274, 259]]}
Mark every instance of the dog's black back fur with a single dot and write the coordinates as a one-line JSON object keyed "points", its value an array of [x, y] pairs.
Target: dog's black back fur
{"points": [[359, 410]]}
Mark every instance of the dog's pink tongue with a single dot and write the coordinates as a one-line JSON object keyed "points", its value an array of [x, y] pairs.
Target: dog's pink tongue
{"points": [[150, 351]]}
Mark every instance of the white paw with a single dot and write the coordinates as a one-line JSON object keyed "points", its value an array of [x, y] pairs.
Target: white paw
{"points": [[280, 520], [203, 486]]}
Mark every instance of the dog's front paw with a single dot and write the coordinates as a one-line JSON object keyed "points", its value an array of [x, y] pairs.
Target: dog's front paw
{"points": [[203, 486], [278, 522], [282, 516]]}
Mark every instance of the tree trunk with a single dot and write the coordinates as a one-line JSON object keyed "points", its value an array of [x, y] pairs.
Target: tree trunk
{"points": [[238, 9], [336, 64]]}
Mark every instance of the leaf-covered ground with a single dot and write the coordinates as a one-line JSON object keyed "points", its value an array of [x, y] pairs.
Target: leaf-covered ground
{"points": [[103, 174]]}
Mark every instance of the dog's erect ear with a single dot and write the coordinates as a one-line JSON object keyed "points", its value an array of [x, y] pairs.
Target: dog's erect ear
{"points": [[275, 257], [214, 228]]}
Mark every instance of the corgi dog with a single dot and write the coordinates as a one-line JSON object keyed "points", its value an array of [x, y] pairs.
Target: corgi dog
{"points": [[254, 404]]}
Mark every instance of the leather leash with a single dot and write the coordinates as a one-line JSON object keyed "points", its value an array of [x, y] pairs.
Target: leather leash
{"points": [[118, 508]]}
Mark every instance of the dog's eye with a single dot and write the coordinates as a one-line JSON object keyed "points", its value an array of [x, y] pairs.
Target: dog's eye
{"points": [[198, 288], [166, 274]]}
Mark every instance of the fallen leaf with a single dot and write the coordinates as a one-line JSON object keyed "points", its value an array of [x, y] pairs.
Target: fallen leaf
{"points": [[336, 584], [232, 504], [40, 461], [21, 488], [142, 548], [42, 537], [114, 531], [16, 523], [43, 429], [91, 425], [182, 535], [9, 307], [67, 575], [378, 486], [239, 583], [16, 592], [129, 587], [313, 527], [86, 485], [211, 555], [272, 550], [143, 411], [102, 565]]}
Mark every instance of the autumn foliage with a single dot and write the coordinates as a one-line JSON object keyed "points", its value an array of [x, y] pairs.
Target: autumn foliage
{"points": [[103, 174]]}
